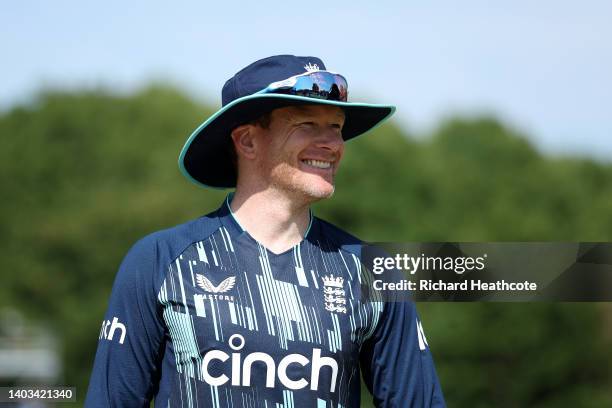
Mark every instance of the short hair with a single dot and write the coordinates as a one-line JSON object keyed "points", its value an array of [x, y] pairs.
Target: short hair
{"points": [[263, 121]]}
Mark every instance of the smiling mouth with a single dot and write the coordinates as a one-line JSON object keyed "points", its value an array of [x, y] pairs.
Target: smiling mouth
{"points": [[318, 164]]}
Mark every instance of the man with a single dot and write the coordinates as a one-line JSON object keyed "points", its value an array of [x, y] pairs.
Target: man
{"points": [[258, 303]]}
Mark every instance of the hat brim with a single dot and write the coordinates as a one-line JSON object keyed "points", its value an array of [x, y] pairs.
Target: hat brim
{"points": [[206, 159]]}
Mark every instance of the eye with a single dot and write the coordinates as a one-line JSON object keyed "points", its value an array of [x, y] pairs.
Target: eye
{"points": [[337, 127], [307, 124]]}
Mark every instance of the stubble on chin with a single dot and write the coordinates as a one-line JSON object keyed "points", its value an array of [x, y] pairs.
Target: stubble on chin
{"points": [[293, 181]]}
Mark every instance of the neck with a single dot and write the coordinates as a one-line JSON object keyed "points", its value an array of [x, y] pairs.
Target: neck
{"points": [[274, 219]]}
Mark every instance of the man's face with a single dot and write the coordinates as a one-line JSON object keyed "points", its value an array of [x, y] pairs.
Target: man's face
{"points": [[302, 148]]}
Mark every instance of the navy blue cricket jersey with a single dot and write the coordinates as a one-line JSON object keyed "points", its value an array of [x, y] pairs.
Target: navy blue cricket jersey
{"points": [[202, 315]]}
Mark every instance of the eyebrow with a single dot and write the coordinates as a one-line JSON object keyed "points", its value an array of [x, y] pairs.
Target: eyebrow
{"points": [[306, 111]]}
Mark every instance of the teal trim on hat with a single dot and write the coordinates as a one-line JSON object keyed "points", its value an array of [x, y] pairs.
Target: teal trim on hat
{"points": [[200, 132]]}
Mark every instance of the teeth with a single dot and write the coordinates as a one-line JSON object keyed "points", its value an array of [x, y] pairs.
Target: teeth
{"points": [[318, 163]]}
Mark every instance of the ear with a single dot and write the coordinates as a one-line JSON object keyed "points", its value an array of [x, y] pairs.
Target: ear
{"points": [[244, 141]]}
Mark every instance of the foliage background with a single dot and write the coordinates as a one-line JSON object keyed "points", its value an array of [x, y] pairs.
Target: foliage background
{"points": [[87, 173]]}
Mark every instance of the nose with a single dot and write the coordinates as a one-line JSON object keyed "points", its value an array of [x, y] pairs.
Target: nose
{"points": [[330, 139]]}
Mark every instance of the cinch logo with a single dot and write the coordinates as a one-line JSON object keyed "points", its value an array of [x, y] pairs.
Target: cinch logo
{"points": [[106, 333], [241, 370]]}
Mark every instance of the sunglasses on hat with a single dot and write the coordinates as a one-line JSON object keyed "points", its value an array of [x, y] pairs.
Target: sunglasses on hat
{"points": [[318, 84]]}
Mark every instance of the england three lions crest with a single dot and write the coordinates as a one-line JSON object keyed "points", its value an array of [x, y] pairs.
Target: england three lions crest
{"points": [[333, 294]]}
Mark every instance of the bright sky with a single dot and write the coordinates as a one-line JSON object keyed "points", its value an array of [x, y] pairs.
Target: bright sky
{"points": [[544, 66]]}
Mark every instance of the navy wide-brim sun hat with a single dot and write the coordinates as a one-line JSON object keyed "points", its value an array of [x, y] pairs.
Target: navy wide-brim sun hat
{"points": [[206, 158]]}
